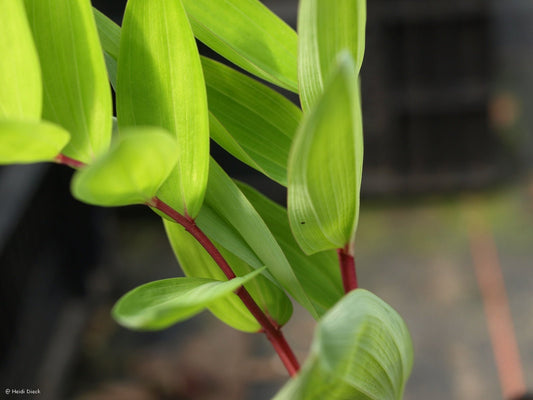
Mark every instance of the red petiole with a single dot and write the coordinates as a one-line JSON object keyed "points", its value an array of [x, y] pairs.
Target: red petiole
{"points": [[348, 271]]}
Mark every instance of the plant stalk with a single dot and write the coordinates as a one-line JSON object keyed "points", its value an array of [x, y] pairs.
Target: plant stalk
{"points": [[63, 159], [269, 327], [348, 271]]}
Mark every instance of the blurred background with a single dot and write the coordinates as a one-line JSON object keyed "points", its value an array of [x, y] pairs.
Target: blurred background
{"points": [[447, 220]]}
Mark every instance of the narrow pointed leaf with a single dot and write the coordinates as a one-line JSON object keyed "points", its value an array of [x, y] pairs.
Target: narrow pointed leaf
{"points": [[249, 120], [362, 350], [325, 166], [160, 304], [30, 141], [225, 199], [249, 35], [76, 91], [217, 226], [319, 273], [325, 28], [131, 172], [160, 83], [195, 262], [257, 123], [109, 34], [20, 73]]}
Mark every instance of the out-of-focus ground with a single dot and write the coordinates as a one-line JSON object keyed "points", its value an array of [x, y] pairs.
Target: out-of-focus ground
{"points": [[415, 254]]}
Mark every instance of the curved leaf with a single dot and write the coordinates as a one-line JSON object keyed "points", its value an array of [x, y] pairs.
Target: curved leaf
{"points": [[249, 35], [325, 166], [29, 141], [257, 123], [319, 273], [233, 209], [160, 83], [131, 172], [195, 262], [362, 350], [160, 304], [20, 73], [326, 28], [76, 92], [109, 34], [249, 120]]}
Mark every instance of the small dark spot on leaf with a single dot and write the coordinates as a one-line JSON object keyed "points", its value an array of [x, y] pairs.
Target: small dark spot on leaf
{"points": [[303, 222]]}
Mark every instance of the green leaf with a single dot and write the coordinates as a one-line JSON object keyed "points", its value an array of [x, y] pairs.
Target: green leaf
{"points": [[20, 73], [160, 83], [319, 274], [250, 120], [30, 141], [233, 210], [249, 35], [160, 304], [109, 34], [76, 92], [325, 166], [131, 172], [362, 350], [326, 28], [195, 262]]}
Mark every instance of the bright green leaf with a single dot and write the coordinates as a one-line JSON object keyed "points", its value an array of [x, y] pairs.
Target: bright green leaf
{"points": [[20, 73], [215, 225], [326, 28], [362, 350], [160, 304], [249, 35], [233, 209], [160, 83], [250, 120], [109, 34], [76, 91], [325, 166], [319, 274], [30, 141], [131, 172], [195, 262]]}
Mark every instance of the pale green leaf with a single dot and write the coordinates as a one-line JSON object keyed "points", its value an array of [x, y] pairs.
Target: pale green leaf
{"points": [[160, 304], [362, 350], [249, 35], [325, 28], [76, 91], [250, 120], [160, 83], [319, 273], [20, 73], [131, 172], [325, 166], [30, 141], [196, 262], [224, 198]]}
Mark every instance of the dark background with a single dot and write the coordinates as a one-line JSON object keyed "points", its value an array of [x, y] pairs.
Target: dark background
{"points": [[447, 112]]}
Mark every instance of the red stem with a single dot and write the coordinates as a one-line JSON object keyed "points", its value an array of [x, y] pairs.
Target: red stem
{"points": [[348, 272], [269, 327], [62, 159]]}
